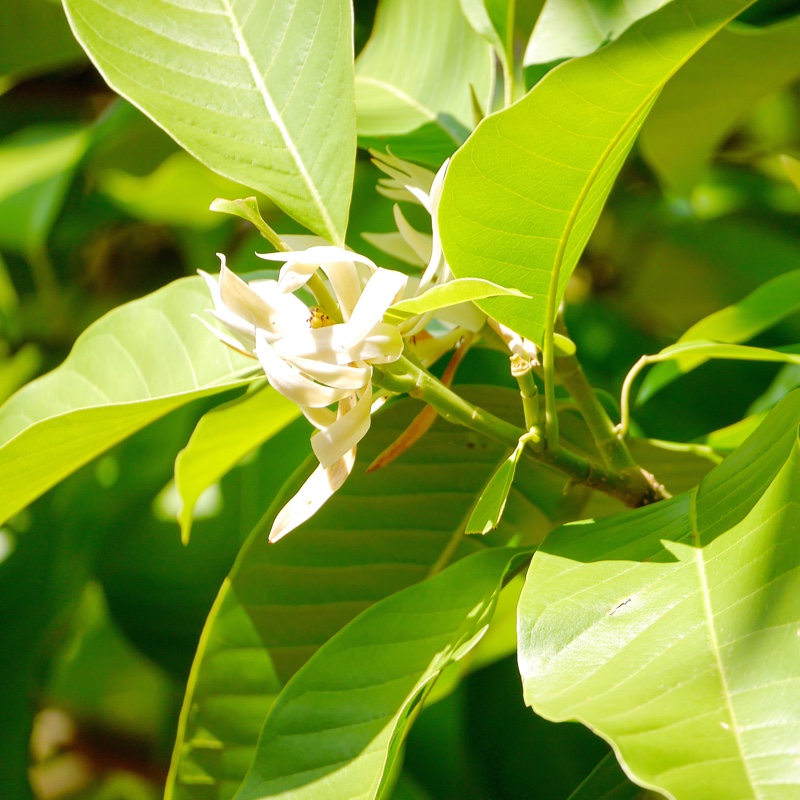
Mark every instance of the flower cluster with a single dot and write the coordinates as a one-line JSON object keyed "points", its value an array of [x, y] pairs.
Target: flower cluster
{"points": [[322, 356]]}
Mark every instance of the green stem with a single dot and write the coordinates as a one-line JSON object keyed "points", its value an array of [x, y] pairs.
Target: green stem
{"points": [[324, 298], [403, 377], [613, 450], [523, 372]]}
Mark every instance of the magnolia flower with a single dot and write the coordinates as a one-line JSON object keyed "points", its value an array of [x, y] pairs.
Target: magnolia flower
{"points": [[311, 359]]}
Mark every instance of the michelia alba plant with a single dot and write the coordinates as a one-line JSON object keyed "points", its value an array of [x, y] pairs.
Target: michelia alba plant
{"points": [[397, 342]]}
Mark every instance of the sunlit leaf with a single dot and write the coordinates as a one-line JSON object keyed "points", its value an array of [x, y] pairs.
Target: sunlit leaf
{"points": [[421, 105], [336, 728], [460, 290], [522, 196], [710, 338], [494, 20], [672, 629], [378, 534], [261, 92], [134, 365], [568, 28], [222, 438], [491, 503], [712, 93]]}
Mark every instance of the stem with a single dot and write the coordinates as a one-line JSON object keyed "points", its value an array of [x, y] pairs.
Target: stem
{"points": [[633, 487], [625, 396], [523, 372], [613, 450], [324, 298]]}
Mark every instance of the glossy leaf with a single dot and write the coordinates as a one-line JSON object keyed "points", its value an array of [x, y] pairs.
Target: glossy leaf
{"points": [[460, 290], [134, 365], [421, 105], [491, 503], [261, 92], [335, 730], [766, 306], [222, 438], [380, 533], [672, 630], [712, 93], [569, 28], [522, 196]]}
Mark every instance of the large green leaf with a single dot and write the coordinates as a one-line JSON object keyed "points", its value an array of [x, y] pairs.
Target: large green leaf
{"points": [[413, 79], [222, 438], [707, 98], [672, 630], [766, 306], [131, 367], [336, 729], [379, 533], [568, 28], [260, 91], [34, 37], [522, 196]]}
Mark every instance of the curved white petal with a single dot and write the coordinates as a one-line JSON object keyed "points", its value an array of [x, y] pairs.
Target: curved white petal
{"points": [[319, 417], [312, 495], [331, 443], [420, 243], [335, 375], [319, 255], [382, 345], [381, 291], [240, 299], [291, 383], [346, 284]]}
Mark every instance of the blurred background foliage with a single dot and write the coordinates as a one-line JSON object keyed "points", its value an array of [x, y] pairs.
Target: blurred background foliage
{"points": [[102, 606]]}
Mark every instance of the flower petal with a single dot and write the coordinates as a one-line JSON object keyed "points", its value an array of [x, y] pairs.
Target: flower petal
{"points": [[331, 443], [420, 243], [338, 376], [290, 382], [381, 291], [382, 345], [312, 495]]}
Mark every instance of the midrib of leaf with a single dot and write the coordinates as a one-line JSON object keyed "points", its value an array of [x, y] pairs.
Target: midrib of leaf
{"points": [[401, 95], [275, 116], [700, 563]]}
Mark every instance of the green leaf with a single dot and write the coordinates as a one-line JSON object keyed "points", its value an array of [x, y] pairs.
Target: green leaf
{"points": [[34, 37], [36, 168], [607, 781], [380, 533], [222, 438], [522, 196], [335, 730], [494, 21], [134, 365], [460, 290], [491, 503], [566, 28], [178, 192], [671, 630], [766, 306], [421, 105], [792, 167], [700, 107], [260, 92]]}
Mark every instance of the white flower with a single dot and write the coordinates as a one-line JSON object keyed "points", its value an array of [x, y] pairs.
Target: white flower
{"points": [[311, 359]]}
